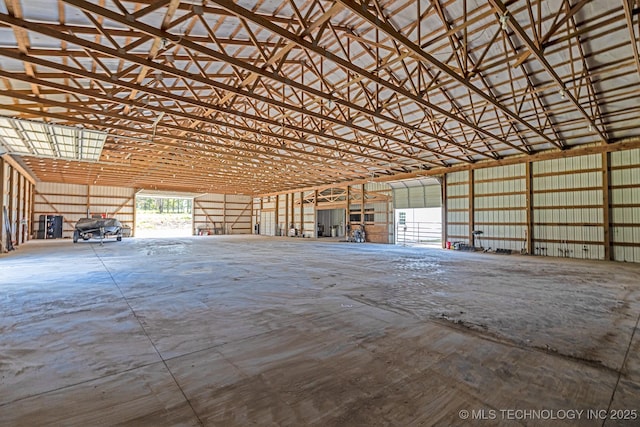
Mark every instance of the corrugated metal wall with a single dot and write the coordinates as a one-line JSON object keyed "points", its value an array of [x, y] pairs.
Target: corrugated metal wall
{"points": [[268, 216], [309, 210], [568, 207], [500, 207], [457, 206], [416, 193], [567, 204], [625, 205]]}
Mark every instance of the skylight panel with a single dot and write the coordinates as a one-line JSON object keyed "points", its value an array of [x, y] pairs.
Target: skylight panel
{"points": [[39, 139]]}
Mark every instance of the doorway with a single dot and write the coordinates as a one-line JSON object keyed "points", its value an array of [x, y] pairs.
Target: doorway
{"points": [[330, 222], [164, 216], [419, 226], [418, 211]]}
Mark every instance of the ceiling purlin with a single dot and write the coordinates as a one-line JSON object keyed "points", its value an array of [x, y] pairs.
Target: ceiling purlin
{"points": [[375, 21], [628, 13], [15, 10], [263, 22], [539, 55], [156, 45], [463, 62], [587, 75], [145, 90], [536, 96], [150, 154], [330, 97], [221, 136], [101, 31]]}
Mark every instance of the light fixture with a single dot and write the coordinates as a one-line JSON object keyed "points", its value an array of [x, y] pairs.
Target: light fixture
{"points": [[590, 127], [503, 21], [561, 93]]}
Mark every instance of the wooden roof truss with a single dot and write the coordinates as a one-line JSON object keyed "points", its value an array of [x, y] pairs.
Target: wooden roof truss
{"points": [[260, 96]]}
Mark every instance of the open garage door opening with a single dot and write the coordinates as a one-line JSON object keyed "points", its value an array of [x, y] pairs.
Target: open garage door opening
{"points": [[330, 223], [418, 212], [163, 216]]}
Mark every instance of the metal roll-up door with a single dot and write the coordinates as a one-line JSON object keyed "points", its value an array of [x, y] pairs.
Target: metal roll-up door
{"points": [[417, 193], [268, 223]]}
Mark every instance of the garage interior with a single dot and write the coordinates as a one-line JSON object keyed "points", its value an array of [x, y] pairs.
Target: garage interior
{"points": [[292, 125]]}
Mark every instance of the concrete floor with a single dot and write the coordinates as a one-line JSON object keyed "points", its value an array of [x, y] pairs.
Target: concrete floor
{"points": [[247, 330]]}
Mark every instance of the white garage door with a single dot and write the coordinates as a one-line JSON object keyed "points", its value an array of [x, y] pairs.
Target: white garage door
{"points": [[417, 193], [268, 223]]}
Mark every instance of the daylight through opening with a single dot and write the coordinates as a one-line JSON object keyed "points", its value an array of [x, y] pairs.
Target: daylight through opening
{"points": [[158, 216]]}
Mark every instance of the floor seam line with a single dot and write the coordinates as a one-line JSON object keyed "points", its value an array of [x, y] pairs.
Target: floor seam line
{"points": [[53, 390], [144, 330], [624, 362]]}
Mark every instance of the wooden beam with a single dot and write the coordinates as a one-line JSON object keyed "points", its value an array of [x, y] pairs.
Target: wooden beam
{"points": [[315, 213], [515, 26], [246, 14], [443, 192], [12, 196], [606, 205], [302, 213], [23, 209], [347, 220], [3, 168], [363, 195], [14, 164], [362, 11], [471, 207], [277, 215], [224, 214], [286, 215], [32, 204], [88, 206], [632, 35], [529, 206]]}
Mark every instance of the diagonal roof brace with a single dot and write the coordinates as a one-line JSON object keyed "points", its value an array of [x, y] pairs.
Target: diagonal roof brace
{"points": [[515, 26], [362, 11]]}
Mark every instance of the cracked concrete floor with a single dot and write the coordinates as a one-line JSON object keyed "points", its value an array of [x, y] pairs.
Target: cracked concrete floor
{"points": [[247, 330]]}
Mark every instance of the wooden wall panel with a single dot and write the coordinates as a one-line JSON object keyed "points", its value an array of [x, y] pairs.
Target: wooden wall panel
{"points": [[79, 201], [222, 214], [16, 193]]}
